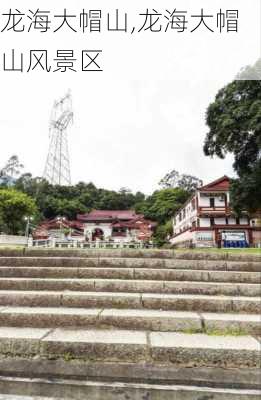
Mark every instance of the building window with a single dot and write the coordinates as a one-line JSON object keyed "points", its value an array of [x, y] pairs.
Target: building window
{"points": [[212, 202]]}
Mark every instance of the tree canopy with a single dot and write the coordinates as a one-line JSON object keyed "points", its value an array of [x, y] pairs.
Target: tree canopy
{"points": [[176, 180], [12, 167], [162, 204], [71, 200], [160, 207], [14, 206], [34, 195], [234, 121]]}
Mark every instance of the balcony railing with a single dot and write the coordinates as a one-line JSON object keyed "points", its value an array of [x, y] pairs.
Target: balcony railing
{"points": [[216, 209]]}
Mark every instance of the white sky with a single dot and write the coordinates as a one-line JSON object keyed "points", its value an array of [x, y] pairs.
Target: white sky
{"points": [[145, 113]]}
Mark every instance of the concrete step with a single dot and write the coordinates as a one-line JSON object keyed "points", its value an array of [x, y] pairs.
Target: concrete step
{"points": [[118, 262], [119, 300], [11, 381], [236, 255], [62, 369], [120, 285], [201, 303], [94, 390], [132, 273], [131, 346], [151, 320]]}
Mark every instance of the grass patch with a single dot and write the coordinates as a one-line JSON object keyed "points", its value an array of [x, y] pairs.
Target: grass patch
{"points": [[233, 331], [230, 331], [254, 251]]}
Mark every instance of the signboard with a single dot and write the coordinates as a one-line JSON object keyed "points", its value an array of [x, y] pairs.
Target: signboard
{"points": [[234, 236], [204, 239]]}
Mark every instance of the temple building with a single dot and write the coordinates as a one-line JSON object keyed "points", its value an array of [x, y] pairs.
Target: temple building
{"points": [[116, 225], [59, 228], [105, 225], [207, 220]]}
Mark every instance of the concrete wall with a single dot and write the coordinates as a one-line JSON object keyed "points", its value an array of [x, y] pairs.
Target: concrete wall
{"points": [[220, 221], [13, 240], [183, 237], [204, 222]]}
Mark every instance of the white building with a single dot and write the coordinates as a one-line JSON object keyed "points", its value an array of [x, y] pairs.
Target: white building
{"points": [[206, 219]]}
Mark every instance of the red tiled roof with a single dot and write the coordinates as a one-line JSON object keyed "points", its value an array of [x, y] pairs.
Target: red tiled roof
{"points": [[56, 224], [135, 223], [97, 215], [219, 184]]}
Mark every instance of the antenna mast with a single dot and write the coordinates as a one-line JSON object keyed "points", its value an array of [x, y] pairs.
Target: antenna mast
{"points": [[57, 167]]}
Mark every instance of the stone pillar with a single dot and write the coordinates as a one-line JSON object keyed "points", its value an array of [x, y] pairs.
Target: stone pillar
{"points": [[30, 241]]}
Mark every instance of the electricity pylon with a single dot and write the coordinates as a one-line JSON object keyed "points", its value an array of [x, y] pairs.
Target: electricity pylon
{"points": [[57, 167]]}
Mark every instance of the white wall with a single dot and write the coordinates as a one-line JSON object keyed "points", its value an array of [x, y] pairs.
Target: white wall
{"points": [[186, 222], [204, 201], [185, 236], [220, 221], [219, 202], [90, 227], [204, 222]]}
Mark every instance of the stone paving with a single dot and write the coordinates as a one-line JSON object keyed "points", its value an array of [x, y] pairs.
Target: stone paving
{"points": [[153, 309]]}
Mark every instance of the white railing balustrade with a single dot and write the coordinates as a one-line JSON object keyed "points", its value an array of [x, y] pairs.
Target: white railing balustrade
{"points": [[58, 243]]}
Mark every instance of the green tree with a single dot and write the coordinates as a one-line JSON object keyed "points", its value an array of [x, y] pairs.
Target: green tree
{"points": [[162, 204], [71, 200], [251, 72], [234, 121], [176, 180], [162, 233], [12, 168], [14, 206], [246, 192]]}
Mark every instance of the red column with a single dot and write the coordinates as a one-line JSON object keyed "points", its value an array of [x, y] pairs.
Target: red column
{"points": [[250, 237]]}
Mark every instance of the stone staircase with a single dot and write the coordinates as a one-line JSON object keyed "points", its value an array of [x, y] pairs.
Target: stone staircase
{"points": [[120, 325]]}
